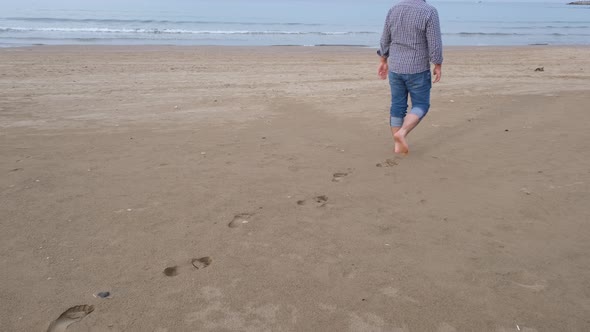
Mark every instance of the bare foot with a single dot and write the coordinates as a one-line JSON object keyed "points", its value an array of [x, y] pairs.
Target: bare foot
{"points": [[401, 146]]}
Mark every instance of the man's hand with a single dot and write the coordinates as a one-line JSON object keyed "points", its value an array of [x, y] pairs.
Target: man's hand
{"points": [[383, 69], [437, 73]]}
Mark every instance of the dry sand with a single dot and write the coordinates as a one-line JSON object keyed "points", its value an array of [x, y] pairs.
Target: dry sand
{"points": [[118, 162]]}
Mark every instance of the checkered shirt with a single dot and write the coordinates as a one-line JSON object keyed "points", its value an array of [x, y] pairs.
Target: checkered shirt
{"points": [[411, 37]]}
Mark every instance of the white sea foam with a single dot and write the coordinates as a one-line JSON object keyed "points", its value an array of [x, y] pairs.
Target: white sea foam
{"points": [[181, 31]]}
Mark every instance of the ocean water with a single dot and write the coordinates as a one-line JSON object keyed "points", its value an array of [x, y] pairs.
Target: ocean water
{"points": [[279, 22]]}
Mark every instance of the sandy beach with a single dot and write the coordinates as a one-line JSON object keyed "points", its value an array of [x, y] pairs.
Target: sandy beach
{"points": [[276, 162]]}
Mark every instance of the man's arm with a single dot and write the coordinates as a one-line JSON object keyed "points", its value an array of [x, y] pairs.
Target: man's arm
{"points": [[434, 38], [384, 49]]}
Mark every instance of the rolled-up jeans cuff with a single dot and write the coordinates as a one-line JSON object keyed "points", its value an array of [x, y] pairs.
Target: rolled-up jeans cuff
{"points": [[419, 112], [395, 122]]}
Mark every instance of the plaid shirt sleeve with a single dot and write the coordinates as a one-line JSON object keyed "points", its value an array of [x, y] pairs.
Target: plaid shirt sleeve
{"points": [[434, 38], [386, 37]]}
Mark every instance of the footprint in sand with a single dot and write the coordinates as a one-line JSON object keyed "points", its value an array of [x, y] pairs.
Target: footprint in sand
{"points": [[197, 263], [201, 263], [337, 177], [70, 316], [239, 220], [389, 163], [319, 201], [171, 271]]}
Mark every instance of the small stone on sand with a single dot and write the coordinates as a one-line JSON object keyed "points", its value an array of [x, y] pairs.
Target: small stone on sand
{"points": [[103, 295]]}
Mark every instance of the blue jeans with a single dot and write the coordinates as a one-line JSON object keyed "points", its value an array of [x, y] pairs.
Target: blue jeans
{"points": [[418, 86]]}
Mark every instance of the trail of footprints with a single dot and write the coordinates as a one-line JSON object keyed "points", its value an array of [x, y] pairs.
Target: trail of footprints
{"points": [[77, 313]]}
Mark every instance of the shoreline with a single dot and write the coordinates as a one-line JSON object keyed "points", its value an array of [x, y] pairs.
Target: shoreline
{"points": [[450, 47]]}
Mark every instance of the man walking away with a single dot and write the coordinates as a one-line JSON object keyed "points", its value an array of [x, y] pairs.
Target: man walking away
{"points": [[411, 40]]}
